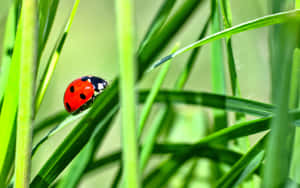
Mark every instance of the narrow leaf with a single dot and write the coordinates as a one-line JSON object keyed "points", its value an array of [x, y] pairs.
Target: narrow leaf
{"points": [[278, 18]]}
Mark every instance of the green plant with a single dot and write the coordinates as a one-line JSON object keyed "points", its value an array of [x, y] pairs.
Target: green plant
{"points": [[25, 79]]}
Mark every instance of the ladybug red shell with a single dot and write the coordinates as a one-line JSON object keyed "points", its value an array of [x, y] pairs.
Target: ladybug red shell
{"points": [[81, 93]]}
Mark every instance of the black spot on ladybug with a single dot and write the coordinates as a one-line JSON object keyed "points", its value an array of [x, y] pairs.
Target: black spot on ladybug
{"points": [[72, 89], [68, 106], [85, 78], [82, 96]]}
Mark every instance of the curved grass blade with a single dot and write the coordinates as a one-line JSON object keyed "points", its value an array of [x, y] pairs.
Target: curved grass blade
{"points": [[151, 137], [67, 121], [79, 136], [79, 164], [152, 94], [53, 59], [118, 176], [47, 12], [183, 77], [27, 64], [50, 120], [190, 175], [229, 179], [156, 127], [207, 151], [8, 45], [8, 114], [166, 33], [254, 165], [278, 18], [212, 100], [157, 23]]}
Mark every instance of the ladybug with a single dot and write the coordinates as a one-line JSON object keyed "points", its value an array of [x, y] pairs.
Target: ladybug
{"points": [[81, 93]]}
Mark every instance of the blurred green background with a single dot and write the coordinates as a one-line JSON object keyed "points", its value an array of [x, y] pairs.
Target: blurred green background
{"points": [[90, 49]]}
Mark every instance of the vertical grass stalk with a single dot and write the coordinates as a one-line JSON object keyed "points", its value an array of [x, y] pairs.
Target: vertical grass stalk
{"points": [[278, 155], [125, 34], [24, 122]]}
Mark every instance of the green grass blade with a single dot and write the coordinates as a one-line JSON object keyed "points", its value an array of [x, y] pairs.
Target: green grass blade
{"points": [[79, 164], [205, 151], [151, 137], [278, 155], [167, 32], [183, 77], [229, 179], [125, 31], [254, 165], [153, 93], [9, 40], [278, 18], [47, 12], [293, 98], [157, 23], [190, 175], [49, 120], [8, 114], [118, 176], [76, 168], [217, 68], [212, 100], [27, 64], [53, 59], [67, 121], [227, 18]]}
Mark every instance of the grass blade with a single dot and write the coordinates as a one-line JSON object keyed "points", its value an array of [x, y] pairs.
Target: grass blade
{"points": [[166, 33], [217, 68], [76, 170], [47, 12], [278, 155], [27, 29], [152, 95], [56, 129], [183, 77], [221, 154], [278, 18], [8, 114], [230, 177], [54, 57], [125, 31], [151, 137], [9, 40], [49, 120], [157, 23], [212, 100]]}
